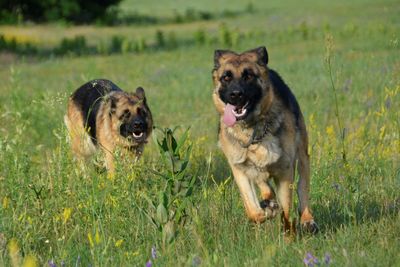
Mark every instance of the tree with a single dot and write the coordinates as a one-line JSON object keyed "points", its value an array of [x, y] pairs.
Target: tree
{"points": [[77, 11]]}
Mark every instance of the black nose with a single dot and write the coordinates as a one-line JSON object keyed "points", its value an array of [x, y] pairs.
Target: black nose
{"points": [[138, 124], [235, 96]]}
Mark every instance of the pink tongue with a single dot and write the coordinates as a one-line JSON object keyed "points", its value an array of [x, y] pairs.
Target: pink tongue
{"points": [[229, 118]]}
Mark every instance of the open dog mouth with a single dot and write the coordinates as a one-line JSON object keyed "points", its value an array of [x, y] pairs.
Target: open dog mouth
{"points": [[239, 112], [234, 113], [138, 134]]}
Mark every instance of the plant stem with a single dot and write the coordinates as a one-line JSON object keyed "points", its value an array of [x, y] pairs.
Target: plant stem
{"points": [[337, 114]]}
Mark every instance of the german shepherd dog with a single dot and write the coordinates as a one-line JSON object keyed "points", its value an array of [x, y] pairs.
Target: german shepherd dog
{"points": [[262, 134], [101, 115]]}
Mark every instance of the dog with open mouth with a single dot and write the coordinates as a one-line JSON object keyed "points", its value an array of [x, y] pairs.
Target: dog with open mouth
{"points": [[101, 115], [263, 136]]}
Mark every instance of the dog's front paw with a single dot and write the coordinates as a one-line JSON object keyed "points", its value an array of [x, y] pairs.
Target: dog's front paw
{"points": [[270, 207], [310, 227], [257, 216]]}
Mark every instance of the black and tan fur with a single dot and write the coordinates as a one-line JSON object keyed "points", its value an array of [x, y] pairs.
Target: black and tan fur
{"points": [[101, 115], [268, 141]]}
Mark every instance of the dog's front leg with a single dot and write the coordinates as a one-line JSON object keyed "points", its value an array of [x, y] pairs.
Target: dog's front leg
{"points": [[268, 203], [247, 191], [109, 157]]}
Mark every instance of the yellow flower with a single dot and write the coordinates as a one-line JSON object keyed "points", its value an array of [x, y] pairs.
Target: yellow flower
{"points": [[30, 261], [67, 214], [330, 131], [97, 237], [110, 176], [118, 243], [382, 132], [89, 235], [13, 251], [5, 202]]}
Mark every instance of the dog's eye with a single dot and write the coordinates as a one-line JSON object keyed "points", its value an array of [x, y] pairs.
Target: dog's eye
{"points": [[142, 112], [227, 76], [125, 114], [247, 75]]}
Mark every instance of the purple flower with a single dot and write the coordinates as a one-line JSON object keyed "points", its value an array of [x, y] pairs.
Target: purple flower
{"points": [[196, 261], [149, 263], [388, 103], [327, 259], [336, 186], [51, 263], [310, 260], [153, 252]]}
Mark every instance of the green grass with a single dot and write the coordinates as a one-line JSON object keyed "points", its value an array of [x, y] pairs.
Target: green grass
{"points": [[86, 215]]}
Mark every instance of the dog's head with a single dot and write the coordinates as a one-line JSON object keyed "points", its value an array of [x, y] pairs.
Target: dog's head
{"points": [[241, 84], [131, 116]]}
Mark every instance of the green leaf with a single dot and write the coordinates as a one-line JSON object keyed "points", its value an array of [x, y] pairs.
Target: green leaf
{"points": [[169, 232], [149, 201], [171, 141], [162, 214], [182, 140]]}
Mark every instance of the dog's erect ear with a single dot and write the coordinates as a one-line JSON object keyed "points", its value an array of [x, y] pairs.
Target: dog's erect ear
{"points": [[217, 55], [262, 55], [140, 93]]}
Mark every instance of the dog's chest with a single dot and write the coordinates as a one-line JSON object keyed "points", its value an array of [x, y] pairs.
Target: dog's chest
{"points": [[264, 154], [259, 155]]}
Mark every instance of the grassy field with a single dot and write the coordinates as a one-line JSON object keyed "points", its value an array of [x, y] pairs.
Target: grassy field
{"points": [[51, 212]]}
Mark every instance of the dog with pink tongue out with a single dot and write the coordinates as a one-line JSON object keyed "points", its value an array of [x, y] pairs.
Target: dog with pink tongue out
{"points": [[263, 136]]}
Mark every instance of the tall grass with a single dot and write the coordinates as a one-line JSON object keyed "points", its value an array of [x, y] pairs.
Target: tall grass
{"points": [[54, 213]]}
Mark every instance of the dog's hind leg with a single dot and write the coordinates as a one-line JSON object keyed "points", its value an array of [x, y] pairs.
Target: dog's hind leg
{"points": [[81, 143], [284, 192]]}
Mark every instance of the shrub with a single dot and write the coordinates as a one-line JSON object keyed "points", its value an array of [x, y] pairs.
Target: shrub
{"points": [[76, 46], [200, 37], [160, 39]]}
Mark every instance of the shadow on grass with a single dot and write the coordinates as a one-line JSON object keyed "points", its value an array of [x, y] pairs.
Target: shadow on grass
{"points": [[332, 217]]}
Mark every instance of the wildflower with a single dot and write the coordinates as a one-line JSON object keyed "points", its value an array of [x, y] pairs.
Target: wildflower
{"points": [[330, 131], [67, 214], [149, 263], [51, 263], [327, 259], [310, 260], [13, 250], [196, 261], [30, 261], [336, 186], [388, 103], [118, 243], [153, 252], [97, 237], [6, 200], [90, 238]]}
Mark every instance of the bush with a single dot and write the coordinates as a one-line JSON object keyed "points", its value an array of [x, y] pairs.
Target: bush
{"points": [[75, 46], [77, 11]]}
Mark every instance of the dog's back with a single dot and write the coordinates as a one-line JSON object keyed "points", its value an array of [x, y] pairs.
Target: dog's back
{"points": [[88, 98], [80, 119]]}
